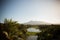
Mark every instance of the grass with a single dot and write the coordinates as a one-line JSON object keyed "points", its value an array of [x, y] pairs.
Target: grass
{"points": [[31, 33]]}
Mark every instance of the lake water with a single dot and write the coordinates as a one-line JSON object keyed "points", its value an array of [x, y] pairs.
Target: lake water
{"points": [[33, 30], [32, 37]]}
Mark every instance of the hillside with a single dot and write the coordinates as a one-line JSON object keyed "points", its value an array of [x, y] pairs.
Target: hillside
{"points": [[36, 23]]}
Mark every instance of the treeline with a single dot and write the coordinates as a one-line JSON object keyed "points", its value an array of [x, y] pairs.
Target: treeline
{"points": [[49, 32]]}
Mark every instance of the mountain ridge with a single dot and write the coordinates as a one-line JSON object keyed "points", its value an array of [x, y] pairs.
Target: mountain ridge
{"points": [[36, 23]]}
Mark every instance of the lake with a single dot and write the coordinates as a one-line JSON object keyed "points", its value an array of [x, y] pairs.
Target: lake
{"points": [[32, 37]]}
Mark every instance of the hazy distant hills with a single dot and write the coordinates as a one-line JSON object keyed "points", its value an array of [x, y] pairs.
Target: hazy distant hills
{"points": [[36, 23]]}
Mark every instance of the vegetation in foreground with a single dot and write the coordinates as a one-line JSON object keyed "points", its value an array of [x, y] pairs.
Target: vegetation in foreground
{"points": [[52, 32], [11, 30]]}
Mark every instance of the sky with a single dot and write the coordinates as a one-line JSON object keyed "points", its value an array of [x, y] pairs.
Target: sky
{"points": [[30, 10]]}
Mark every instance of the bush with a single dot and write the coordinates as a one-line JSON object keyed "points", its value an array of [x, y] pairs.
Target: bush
{"points": [[50, 33]]}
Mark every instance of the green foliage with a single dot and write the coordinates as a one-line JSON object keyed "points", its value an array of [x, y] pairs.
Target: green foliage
{"points": [[14, 29], [31, 33], [50, 33]]}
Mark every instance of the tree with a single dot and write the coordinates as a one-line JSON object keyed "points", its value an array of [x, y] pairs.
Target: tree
{"points": [[15, 29], [11, 27]]}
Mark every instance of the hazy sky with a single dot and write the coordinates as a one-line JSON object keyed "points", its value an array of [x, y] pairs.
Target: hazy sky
{"points": [[26, 10]]}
